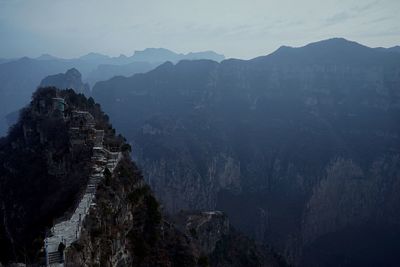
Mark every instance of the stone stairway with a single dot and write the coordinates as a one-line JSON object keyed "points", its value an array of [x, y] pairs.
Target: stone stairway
{"points": [[68, 231], [55, 258]]}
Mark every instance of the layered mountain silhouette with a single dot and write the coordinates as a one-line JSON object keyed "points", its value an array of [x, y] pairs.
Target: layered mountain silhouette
{"points": [[301, 147], [139, 62], [162, 55], [152, 55], [72, 79], [395, 49], [19, 77]]}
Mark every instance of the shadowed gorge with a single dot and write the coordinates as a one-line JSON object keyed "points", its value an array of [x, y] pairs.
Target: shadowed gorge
{"points": [[293, 146]]}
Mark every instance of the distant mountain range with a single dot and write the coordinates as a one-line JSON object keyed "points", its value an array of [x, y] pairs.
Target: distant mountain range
{"points": [[301, 147], [19, 77], [151, 55]]}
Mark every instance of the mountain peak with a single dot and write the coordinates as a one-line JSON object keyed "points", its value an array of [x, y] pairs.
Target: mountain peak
{"points": [[72, 78], [46, 57], [329, 51], [335, 42], [163, 54], [395, 49], [323, 44], [154, 55], [73, 72], [94, 56]]}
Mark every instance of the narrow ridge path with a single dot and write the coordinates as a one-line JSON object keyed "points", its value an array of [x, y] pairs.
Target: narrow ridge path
{"points": [[68, 231]]}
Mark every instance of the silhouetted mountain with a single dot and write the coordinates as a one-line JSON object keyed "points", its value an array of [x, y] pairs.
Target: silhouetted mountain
{"points": [[331, 51], [72, 79], [100, 59], [151, 55], [18, 78], [155, 55], [299, 147], [94, 57], [211, 55], [107, 71], [47, 57], [160, 55], [143, 61], [395, 49]]}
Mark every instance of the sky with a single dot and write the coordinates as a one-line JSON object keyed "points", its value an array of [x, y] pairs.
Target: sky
{"points": [[235, 28]]}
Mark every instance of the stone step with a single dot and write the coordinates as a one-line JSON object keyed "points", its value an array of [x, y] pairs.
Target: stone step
{"points": [[68, 231], [55, 257]]}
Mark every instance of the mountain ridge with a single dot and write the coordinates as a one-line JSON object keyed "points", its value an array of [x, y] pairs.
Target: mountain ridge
{"points": [[64, 138], [343, 52], [277, 140], [71, 79], [19, 77]]}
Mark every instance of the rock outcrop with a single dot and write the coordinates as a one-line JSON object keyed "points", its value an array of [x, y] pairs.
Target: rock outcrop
{"points": [[219, 244], [72, 79]]}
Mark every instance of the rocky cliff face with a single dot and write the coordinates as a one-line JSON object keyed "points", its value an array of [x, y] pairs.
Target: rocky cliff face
{"points": [[126, 228], [354, 204], [205, 228], [42, 174], [219, 244], [45, 167], [294, 146]]}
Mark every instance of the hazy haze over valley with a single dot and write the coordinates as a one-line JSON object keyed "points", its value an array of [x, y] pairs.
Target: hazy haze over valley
{"points": [[220, 133]]}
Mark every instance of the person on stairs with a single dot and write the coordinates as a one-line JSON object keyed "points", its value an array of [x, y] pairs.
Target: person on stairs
{"points": [[61, 248]]}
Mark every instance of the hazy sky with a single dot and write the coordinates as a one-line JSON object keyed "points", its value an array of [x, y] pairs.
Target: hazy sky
{"points": [[236, 28]]}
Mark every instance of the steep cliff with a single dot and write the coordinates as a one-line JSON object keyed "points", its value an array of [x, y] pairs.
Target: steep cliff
{"points": [[219, 244], [42, 171], [268, 140], [47, 167], [126, 227]]}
